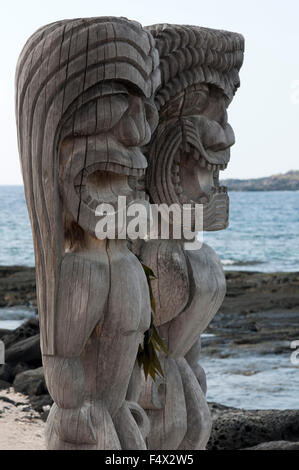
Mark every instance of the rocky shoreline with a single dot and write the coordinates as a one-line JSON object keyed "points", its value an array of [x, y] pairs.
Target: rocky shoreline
{"points": [[282, 182], [260, 313]]}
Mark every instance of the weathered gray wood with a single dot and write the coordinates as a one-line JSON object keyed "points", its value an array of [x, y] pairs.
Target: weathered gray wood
{"points": [[198, 414], [106, 108], [193, 357], [169, 424], [199, 72], [82, 93]]}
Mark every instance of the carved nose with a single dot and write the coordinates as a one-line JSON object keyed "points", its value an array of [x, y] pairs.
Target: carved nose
{"points": [[213, 136], [138, 113], [133, 129], [223, 139]]}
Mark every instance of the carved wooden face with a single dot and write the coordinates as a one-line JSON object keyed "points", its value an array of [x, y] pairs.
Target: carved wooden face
{"points": [[203, 112], [194, 127], [101, 159]]}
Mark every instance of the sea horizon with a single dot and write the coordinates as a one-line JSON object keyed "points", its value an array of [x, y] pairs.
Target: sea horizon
{"points": [[263, 233]]}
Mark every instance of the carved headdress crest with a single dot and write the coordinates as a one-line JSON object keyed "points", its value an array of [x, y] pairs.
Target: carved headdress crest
{"points": [[191, 54], [199, 75]]}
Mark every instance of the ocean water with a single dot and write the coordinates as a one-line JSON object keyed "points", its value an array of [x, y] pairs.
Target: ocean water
{"points": [[263, 234], [16, 247], [12, 317], [253, 381], [246, 379]]}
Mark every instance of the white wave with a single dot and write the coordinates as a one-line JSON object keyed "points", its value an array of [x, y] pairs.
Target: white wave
{"points": [[227, 262], [232, 262], [16, 313]]}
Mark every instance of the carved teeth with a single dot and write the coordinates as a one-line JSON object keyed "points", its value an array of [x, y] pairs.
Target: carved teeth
{"points": [[196, 155], [210, 166], [108, 166], [140, 185], [178, 189], [222, 189], [183, 199], [93, 204], [223, 166], [140, 194]]}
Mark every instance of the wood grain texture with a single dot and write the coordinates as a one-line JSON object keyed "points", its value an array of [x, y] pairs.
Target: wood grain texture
{"points": [[107, 108], [168, 425], [83, 89], [191, 145]]}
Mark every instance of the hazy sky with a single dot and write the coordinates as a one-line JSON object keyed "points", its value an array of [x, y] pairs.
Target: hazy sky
{"points": [[265, 111]]}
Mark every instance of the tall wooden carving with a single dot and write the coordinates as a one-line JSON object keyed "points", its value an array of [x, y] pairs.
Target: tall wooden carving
{"points": [[84, 90], [199, 73], [104, 108]]}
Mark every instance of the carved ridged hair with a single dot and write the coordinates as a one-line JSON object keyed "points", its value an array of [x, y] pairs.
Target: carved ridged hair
{"points": [[57, 73], [190, 55]]}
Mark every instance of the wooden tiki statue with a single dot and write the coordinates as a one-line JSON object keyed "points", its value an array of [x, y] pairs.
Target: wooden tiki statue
{"points": [[84, 106], [199, 74], [106, 108]]}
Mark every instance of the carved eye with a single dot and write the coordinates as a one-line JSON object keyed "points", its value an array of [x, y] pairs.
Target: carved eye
{"points": [[216, 109], [172, 108], [100, 115], [110, 110], [195, 101]]}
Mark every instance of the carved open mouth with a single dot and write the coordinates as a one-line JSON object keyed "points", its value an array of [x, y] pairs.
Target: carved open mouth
{"points": [[195, 179], [203, 153], [105, 182], [105, 170]]}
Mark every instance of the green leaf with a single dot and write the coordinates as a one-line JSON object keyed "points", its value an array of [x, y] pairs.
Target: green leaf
{"points": [[147, 356], [148, 272]]}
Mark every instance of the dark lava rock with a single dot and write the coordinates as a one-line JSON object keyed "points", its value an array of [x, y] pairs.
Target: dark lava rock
{"points": [[276, 445], [20, 367], [17, 286], [235, 429], [8, 400], [26, 330], [259, 314], [6, 373], [31, 382], [26, 351], [4, 384], [4, 332], [38, 402]]}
